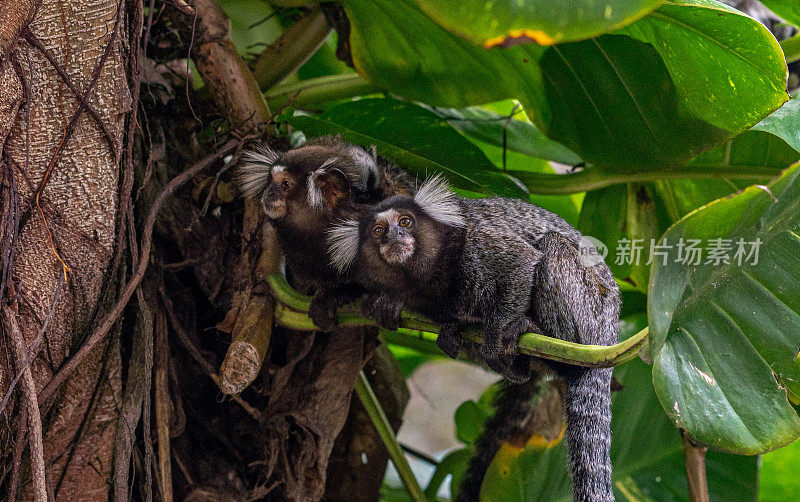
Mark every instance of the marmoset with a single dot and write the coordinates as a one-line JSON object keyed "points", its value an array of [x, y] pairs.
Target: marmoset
{"points": [[515, 268], [304, 192]]}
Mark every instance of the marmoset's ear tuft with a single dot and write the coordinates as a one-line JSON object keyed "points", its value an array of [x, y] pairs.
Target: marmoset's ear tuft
{"points": [[439, 202], [343, 241], [314, 195], [253, 172]]}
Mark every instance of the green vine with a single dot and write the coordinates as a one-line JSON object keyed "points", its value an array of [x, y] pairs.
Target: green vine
{"points": [[292, 308]]}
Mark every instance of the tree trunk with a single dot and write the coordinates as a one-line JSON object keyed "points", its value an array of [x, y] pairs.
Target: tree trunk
{"points": [[68, 155], [117, 289]]}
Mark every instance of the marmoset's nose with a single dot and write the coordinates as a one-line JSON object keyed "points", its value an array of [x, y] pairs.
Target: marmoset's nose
{"points": [[396, 232]]}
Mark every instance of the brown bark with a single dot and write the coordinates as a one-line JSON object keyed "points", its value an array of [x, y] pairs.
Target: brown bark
{"points": [[34, 424], [224, 72], [79, 201], [250, 318], [14, 17]]}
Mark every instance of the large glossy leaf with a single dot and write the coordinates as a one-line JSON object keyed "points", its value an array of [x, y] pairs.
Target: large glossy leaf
{"points": [[725, 336], [245, 33], [646, 453], [784, 123], [507, 131], [415, 138], [665, 88], [507, 22], [616, 215]]}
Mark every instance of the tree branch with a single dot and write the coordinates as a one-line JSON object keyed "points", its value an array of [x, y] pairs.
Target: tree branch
{"points": [[292, 49], [292, 309], [225, 74], [695, 457]]}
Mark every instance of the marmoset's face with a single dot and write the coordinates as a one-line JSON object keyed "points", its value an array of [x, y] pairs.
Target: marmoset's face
{"points": [[303, 179], [392, 231], [282, 188]]}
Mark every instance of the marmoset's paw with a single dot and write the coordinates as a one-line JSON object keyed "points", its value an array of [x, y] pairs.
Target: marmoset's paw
{"points": [[381, 310], [323, 313], [450, 344]]}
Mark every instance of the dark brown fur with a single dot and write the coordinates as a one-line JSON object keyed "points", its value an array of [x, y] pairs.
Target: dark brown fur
{"points": [[342, 178]]}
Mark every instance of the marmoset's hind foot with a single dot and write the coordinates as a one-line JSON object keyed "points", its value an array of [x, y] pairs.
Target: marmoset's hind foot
{"points": [[514, 367], [449, 341], [503, 355]]}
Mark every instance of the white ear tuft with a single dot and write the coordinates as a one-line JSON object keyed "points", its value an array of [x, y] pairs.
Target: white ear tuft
{"points": [[254, 169], [441, 203], [343, 240], [314, 194]]}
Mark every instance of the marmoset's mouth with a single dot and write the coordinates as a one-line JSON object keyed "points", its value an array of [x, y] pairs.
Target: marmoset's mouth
{"points": [[397, 252], [275, 209]]}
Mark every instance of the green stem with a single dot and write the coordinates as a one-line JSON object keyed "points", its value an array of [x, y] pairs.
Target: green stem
{"points": [[791, 49], [592, 178], [318, 90], [384, 428], [292, 49], [291, 311]]}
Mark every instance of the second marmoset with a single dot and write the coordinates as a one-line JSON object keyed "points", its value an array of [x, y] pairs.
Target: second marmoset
{"points": [[515, 268]]}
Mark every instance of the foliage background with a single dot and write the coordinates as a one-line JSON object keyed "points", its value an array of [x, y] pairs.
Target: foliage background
{"points": [[120, 122]]}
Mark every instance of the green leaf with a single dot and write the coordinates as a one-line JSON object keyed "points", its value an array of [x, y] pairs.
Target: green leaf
{"points": [[520, 135], [324, 61], [779, 480], [787, 9], [453, 464], [725, 336], [661, 90], [509, 22], [243, 14], [469, 420], [646, 453], [784, 123], [415, 138]]}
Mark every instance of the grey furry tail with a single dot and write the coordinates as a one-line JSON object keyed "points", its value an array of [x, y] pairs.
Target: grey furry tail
{"points": [[588, 407], [512, 410]]}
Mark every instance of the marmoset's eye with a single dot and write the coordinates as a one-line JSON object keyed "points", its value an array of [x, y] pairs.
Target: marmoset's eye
{"points": [[406, 221], [378, 230], [286, 184]]}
